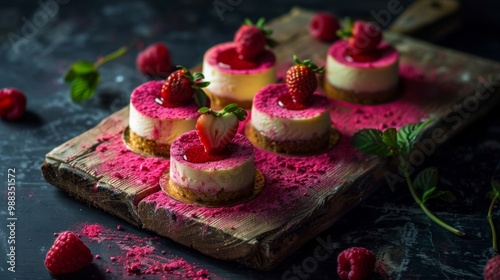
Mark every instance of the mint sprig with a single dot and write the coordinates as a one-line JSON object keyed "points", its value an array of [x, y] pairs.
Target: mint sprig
{"points": [[398, 144], [83, 76], [494, 194]]}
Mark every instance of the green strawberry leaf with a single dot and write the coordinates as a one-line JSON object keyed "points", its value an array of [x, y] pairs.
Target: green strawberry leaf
{"points": [[204, 110], [83, 87], [370, 141], [407, 135], [200, 98]]}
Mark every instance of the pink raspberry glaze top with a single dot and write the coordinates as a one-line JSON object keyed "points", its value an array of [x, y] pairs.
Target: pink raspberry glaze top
{"points": [[241, 149], [266, 101], [388, 55], [143, 100], [264, 61]]}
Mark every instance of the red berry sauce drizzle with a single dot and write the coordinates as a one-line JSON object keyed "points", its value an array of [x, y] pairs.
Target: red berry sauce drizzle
{"points": [[230, 59], [357, 56], [287, 101], [197, 154]]}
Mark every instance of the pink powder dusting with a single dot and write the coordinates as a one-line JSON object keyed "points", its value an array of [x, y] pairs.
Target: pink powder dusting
{"points": [[143, 99], [138, 255], [125, 164]]}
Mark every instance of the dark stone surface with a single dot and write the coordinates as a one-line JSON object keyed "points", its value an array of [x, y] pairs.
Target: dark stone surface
{"points": [[389, 223]]}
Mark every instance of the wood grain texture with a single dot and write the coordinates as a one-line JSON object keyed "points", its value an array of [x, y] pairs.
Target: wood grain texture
{"points": [[262, 232]]}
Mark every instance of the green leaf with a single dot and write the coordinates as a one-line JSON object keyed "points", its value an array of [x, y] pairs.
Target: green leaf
{"points": [[204, 110], [407, 135], [426, 180], [79, 68], [370, 141], [442, 195], [260, 22], [389, 137], [200, 98], [495, 186], [83, 87], [202, 84]]}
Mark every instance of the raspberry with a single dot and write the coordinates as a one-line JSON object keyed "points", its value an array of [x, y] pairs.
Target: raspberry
{"points": [[323, 26], [355, 263], [492, 269], [68, 254], [12, 103], [155, 61]]}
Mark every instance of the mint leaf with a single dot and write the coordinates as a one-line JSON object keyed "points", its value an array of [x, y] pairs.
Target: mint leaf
{"points": [[442, 195], [389, 137], [370, 141], [83, 87], [79, 68], [407, 135], [496, 186], [426, 180]]}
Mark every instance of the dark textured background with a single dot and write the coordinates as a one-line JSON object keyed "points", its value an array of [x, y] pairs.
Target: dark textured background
{"points": [[389, 222]]}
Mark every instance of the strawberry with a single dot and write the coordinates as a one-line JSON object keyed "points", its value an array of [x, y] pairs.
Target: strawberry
{"points": [[301, 79], [68, 254], [355, 263], [12, 103], [155, 61], [492, 269], [250, 40], [363, 36], [323, 26], [180, 87], [216, 129]]}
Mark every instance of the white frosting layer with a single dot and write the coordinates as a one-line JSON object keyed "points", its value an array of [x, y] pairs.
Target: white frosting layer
{"points": [[239, 85], [163, 131]]}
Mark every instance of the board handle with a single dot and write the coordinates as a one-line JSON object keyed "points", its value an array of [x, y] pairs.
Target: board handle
{"points": [[428, 19]]}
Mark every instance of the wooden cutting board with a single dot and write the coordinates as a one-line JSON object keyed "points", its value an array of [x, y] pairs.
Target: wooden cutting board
{"points": [[303, 195]]}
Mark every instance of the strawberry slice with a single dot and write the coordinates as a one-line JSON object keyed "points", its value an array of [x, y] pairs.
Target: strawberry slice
{"points": [[216, 129]]}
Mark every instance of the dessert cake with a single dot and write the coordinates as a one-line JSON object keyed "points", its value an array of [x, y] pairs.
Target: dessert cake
{"points": [[292, 118], [238, 69], [361, 68], [213, 165], [161, 111]]}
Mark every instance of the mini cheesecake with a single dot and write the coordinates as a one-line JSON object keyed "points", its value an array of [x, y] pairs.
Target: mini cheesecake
{"points": [[366, 79], [200, 177], [234, 80], [152, 127], [282, 130]]}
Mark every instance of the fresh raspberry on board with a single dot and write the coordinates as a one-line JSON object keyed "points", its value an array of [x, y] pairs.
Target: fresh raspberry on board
{"points": [[492, 269], [355, 263], [12, 103], [250, 40], [68, 254], [181, 86], [155, 61], [323, 26]]}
